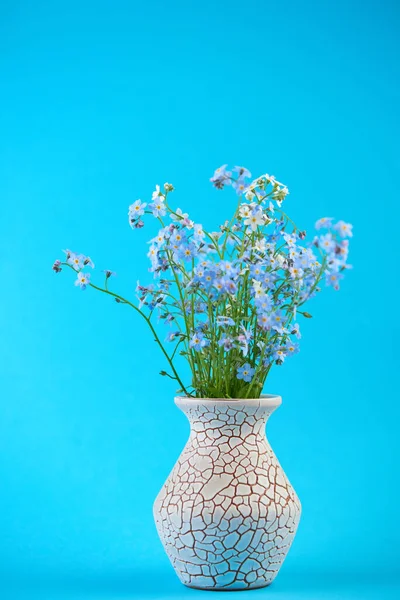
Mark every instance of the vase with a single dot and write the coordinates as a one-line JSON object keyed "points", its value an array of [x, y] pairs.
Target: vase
{"points": [[227, 514]]}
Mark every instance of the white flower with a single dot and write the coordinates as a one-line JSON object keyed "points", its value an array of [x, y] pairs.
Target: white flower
{"points": [[261, 245], [157, 195], [269, 178], [255, 219], [257, 286], [198, 232], [281, 260], [245, 210]]}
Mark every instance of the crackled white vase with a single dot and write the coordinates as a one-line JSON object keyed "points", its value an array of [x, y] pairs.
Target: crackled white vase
{"points": [[227, 513]]}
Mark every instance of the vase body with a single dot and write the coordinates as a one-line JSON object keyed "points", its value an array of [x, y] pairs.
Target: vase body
{"points": [[227, 514]]}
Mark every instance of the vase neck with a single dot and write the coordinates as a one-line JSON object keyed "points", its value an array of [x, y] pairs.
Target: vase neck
{"points": [[239, 418]]}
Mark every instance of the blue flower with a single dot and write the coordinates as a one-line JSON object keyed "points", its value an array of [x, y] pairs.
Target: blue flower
{"points": [[296, 272], [324, 223], [221, 177], [295, 330], [257, 271], [172, 335], [263, 303], [269, 279], [290, 239], [220, 285], [230, 286], [160, 237], [242, 171], [264, 321], [187, 251], [245, 372], [277, 321], [292, 347], [226, 341], [240, 186], [76, 260], [279, 355], [178, 237], [229, 268], [332, 279], [136, 210], [244, 339], [223, 321], [153, 255], [198, 233], [83, 280], [198, 341], [304, 260], [158, 207], [327, 242], [208, 279], [344, 229]]}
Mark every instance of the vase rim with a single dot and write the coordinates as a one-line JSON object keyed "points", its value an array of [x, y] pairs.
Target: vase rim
{"points": [[264, 400]]}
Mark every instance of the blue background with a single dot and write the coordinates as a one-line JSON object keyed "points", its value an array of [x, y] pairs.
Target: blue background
{"points": [[98, 102]]}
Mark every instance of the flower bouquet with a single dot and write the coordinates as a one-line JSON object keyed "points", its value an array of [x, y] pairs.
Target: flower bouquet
{"points": [[229, 299]]}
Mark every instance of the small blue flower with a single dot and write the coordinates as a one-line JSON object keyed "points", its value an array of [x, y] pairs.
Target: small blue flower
{"points": [[292, 347], [245, 372], [187, 251], [290, 239], [223, 321], [198, 341], [240, 186], [327, 242], [242, 171], [153, 254], [221, 177], [257, 271], [269, 279], [324, 223], [198, 233], [277, 321], [75, 260], [226, 342], [344, 229], [332, 279], [83, 280], [220, 285], [208, 279], [279, 355], [230, 286], [172, 335], [263, 303], [264, 321], [295, 330], [158, 207], [229, 268], [178, 237], [136, 210]]}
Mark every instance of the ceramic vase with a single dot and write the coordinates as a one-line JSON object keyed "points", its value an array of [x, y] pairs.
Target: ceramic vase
{"points": [[227, 514]]}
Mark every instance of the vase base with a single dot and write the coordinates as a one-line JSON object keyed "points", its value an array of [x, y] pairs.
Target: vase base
{"points": [[246, 588]]}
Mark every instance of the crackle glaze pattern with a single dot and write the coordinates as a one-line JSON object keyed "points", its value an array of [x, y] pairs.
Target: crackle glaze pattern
{"points": [[227, 514]]}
